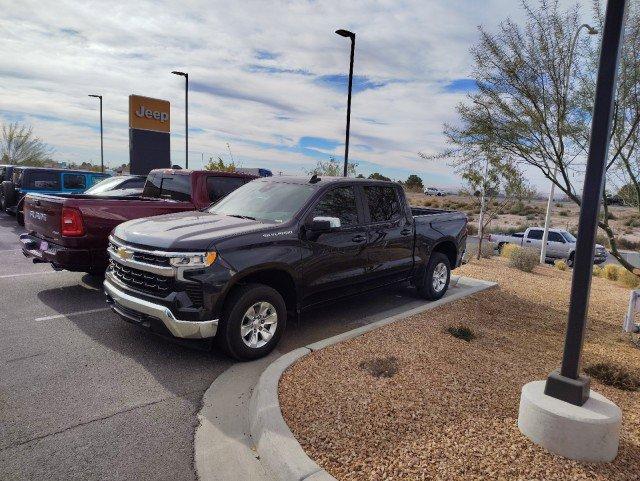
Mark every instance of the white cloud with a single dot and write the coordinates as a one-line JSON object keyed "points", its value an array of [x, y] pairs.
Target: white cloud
{"points": [[55, 53]]}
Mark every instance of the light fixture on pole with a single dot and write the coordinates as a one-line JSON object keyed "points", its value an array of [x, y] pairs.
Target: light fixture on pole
{"points": [[101, 141], [547, 219], [352, 36], [186, 115]]}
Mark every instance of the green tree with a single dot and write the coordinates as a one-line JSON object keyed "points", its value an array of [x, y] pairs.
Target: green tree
{"points": [[19, 146], [220, 165], [414, 183], [534, 97], [331, 168], [378, 176]]}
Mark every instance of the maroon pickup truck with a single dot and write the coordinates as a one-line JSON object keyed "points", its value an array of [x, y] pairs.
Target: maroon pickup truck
{"points": [[71, 231]]}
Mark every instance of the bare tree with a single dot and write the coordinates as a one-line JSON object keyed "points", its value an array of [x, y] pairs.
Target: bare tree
{"points": [[534, 100], [19, 146], [331, 168]]}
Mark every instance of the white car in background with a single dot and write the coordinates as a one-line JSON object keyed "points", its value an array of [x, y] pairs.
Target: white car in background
{"points": [[561, 244], [434, 191]]}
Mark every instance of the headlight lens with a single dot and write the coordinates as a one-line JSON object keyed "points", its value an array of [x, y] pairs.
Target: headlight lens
{"points": [[199, 260]]}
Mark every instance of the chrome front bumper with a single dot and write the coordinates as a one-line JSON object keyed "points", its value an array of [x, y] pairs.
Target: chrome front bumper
{"points": [[177, 327]]}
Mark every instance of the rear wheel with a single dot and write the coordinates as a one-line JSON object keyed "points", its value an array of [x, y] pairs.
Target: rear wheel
{"points": [[437, 277], [252, 323], [570, 260]]}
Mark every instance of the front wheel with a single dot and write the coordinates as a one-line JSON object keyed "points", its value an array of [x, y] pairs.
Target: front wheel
{"points": [[570, 260], [252, 323], [437, 277]]}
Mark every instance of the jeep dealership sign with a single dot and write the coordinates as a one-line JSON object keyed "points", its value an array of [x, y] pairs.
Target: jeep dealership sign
{"points": [[146, 113]]}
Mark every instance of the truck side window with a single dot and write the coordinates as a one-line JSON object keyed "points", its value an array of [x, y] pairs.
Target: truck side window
{"points": [[535, 234], [340, 203], [73, 181], [219, 187], [41, 180], [555, 237], [383, 203]]}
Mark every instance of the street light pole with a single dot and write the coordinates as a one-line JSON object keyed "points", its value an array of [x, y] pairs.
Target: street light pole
{"points": [[352, 36], [547, 219], [566, 383], [186, 115], [101, 141]]}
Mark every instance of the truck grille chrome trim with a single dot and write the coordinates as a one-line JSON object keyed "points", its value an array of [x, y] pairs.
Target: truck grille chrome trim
{"points": [[177, 327]]}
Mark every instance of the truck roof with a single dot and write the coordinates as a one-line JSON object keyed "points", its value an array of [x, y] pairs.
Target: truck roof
{"points": [[219, 173], [324, 180]]}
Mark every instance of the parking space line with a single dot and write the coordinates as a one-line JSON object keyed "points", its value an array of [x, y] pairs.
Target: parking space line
{"points": [[6, 276], [69, 314], [11, 250]]}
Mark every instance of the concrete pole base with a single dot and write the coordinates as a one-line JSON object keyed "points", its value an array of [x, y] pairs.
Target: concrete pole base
{"points": [[590, 432]]}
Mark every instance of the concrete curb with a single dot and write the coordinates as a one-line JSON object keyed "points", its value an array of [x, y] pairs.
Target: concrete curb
{"points": [[279, 451]]}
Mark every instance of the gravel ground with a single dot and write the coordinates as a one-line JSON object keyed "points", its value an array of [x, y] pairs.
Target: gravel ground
{"points": [[410, 401]]}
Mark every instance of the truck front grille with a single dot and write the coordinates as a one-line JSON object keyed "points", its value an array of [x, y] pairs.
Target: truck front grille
{"points": [[142, 280]]}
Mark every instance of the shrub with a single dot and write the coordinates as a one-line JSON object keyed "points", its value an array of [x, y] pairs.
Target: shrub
{"points": [[462, 332], [628, 279], [597, 271], [508, 249], [614, 375], [381, 366], [487, 250], [563, 213], [472, 229], [524, 259], [627, 244], [560, 265], [611, 272], [558, 204]]}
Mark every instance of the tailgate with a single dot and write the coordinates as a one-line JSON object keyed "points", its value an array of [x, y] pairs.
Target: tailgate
{"points": [[42, 216]]}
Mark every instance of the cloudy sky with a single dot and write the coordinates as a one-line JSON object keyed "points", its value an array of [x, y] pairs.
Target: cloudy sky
{"points": [[268, 78]]}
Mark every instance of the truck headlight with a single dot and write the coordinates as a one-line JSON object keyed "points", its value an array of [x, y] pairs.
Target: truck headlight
{"points": [[194, 260]]}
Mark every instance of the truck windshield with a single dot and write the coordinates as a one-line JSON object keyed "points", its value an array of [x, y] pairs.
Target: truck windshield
{"points": [[568, 236], [168, 186], [266, 201]]}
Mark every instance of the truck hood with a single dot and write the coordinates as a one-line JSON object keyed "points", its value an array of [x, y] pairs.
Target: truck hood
{"points": [[184, 231]]}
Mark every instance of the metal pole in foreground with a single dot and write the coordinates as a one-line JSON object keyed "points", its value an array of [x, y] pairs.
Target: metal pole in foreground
{"points": [[352, 36], [101, 138], [566, 384], [186, 115]]}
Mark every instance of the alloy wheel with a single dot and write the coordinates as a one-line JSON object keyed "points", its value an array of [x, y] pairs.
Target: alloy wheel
{"points": [[259, 324], [439, 278]]}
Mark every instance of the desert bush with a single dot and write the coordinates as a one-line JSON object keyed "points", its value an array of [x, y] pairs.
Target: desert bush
{"points": [[601, 239], [461, 332], [614, 375], [558, 204], [627, 244], [611, 272], [597, 271], [472, 229], [524, 259], [563, 213], [488, 249], [628, 279], [560, 265], [508, 249]]}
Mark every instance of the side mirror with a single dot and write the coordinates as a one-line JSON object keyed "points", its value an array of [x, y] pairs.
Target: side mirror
{"points": [[324, 224]]}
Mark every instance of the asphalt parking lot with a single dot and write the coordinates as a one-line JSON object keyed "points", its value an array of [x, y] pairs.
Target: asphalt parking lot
{"points": [[85, 395]]}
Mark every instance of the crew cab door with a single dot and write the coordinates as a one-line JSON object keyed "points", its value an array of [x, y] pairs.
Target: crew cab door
{"points": [[556, 246], [533, 239], [337, 261], [390, 235]]}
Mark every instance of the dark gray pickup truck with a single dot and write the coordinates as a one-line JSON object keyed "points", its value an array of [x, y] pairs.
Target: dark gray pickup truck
{"points": [[236, 271]]}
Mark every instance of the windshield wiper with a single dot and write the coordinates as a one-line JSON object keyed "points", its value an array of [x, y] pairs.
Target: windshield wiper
{"points": [[242, 216]]}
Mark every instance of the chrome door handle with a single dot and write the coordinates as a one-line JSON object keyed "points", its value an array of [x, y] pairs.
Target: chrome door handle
{"points": [[358, 238]]}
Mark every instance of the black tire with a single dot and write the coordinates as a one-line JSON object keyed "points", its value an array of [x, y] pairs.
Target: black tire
{"points": [[3, 204], [8, 193], [570, 260], [229, 337], [428, 289], [20, 218]]}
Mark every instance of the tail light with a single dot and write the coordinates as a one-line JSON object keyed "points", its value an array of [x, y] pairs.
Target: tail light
{"points": [[72, 225]]}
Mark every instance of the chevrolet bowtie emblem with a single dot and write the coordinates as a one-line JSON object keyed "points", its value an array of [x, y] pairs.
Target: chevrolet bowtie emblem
{"points": [[124, 253]]}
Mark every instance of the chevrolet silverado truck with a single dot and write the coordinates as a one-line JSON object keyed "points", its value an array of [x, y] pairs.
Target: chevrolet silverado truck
{"points": [[235, 272], [561, 244], [71, 231]]}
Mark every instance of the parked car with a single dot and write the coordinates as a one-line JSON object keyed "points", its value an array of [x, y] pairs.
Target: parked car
{"points": [[119, 186], [50, 181], [561, 244], [70, 231], [434, 191], [271, 248]]}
